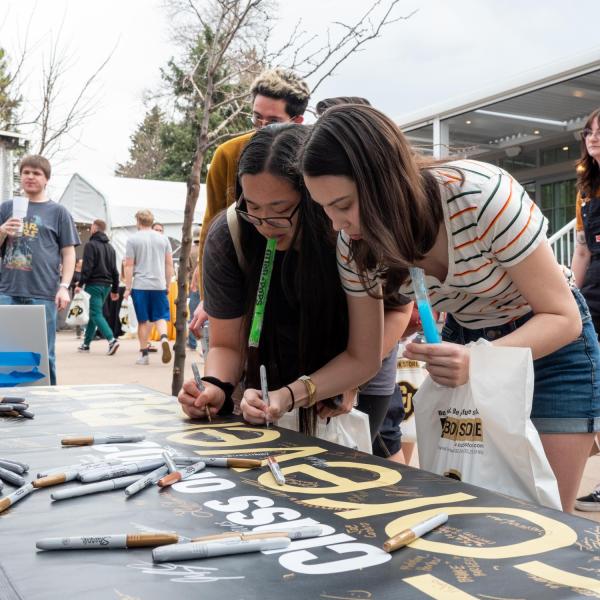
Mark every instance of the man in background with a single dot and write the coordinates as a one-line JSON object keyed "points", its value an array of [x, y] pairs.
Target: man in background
{"points": [[158, 227], [278, 96], [38, 252], [148, 272], [99, 276]]}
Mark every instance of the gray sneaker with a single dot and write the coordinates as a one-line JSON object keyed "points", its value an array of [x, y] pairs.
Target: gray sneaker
{"points": [[143, 360]]}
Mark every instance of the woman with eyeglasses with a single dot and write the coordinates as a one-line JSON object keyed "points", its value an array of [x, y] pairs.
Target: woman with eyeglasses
{"points": [[586, 258], [306, 320]]}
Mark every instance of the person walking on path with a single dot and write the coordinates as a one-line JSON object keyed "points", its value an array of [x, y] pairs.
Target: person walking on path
{"points": [[148, 271], [38, 251], [99, 276]]}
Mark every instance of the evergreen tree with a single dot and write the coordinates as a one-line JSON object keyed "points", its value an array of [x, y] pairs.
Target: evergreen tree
{"points": [[8, 103]]}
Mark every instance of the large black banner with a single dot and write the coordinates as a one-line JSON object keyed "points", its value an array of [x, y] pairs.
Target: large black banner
{"points": [[492, 547]]}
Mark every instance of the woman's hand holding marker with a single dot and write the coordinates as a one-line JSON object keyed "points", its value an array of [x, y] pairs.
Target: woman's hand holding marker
{"points": [[447, 363], [194, 402], [256, 410]]}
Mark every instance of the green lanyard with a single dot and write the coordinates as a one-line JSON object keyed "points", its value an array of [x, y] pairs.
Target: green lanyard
{"points": [[262, 293]]}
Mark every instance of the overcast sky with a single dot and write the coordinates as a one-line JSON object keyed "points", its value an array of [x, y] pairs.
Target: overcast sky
{"points": [[447, 49]]}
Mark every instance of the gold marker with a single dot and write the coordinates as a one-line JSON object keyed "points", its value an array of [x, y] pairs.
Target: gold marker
{"points": [[416, 531]]}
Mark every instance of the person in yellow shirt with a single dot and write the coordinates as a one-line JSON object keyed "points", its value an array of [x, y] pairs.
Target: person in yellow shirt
{"points": [[278, 96]]}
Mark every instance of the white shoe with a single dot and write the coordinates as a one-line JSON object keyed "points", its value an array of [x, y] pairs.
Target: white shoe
{"points": [[143, 359]]}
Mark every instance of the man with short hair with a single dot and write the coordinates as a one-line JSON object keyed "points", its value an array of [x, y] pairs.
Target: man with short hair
{"points": [[37, 265], [148, 271], [278, 96], [99, 277], [158, 227]]}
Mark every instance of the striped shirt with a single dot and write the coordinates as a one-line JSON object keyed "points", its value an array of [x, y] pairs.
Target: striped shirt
{"points": [[492, 225]]}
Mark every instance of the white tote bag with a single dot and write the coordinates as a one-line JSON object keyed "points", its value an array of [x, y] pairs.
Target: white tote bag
{"points": [[350, 430], [127, 317], [481, 433], [79, 310], [410, 374]]}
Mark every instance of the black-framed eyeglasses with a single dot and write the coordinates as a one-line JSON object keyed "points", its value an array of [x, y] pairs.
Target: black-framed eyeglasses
{"points": [[587, 132], [278, 222]]}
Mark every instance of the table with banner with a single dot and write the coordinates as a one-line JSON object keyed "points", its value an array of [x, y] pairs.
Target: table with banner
{"points": [[492, 546]]}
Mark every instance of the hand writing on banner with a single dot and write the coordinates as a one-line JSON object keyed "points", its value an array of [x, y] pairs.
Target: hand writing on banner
{"points": [[255, 410], [194, 402], [448, 364]]}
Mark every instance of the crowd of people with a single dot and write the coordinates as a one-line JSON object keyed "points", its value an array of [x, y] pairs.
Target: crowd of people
{"points": [[352, 206]]}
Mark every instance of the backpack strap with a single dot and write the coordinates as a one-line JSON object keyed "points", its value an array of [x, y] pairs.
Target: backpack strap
{"points": [[234, 231]]}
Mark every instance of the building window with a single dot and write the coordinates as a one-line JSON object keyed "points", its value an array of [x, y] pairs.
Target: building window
{"points": [[562, 153], [558, 203]]}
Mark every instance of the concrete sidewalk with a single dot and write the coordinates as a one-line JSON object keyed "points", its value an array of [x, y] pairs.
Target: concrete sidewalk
{"points": [[96, 367]]}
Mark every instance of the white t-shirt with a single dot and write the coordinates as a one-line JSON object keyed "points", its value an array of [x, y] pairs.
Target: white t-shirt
{"points": [[491, 224]]}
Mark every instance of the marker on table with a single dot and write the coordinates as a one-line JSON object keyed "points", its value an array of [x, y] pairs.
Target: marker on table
{"points": [[79, 467], [121, 470], [15, 496], [95, 488], [200, 385], [94, 542], [143, 482], [102, 439], [217, 461], [432, 335], [176, 476], [276, 470], [264, 387], [10, 477], [11, 400], [416, 531], [17, 407], [273, 531], [169, 462], [13, 466], [55, 478], [223, 547]]}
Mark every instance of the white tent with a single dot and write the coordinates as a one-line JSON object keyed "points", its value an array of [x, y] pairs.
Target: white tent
{"points": [[117, 199]]}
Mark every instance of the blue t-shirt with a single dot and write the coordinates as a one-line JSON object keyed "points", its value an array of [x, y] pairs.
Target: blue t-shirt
{"points": [[31, 262]]}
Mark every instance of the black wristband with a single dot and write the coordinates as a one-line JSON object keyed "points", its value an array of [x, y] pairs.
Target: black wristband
{"points": [[227, 388], [293, 397]]}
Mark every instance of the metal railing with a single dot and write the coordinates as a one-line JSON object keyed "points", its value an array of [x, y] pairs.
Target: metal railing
{"points": [[563, 244]]}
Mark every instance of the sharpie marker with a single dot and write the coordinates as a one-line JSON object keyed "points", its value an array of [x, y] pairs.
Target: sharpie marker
{"points": [[169, 462], [13, 466], [121, 470], [23, 465], [12, 478], [276, 470], [224, 547], [200, 385], [15, 496], [294, 533], [94, 488], [214, 461], [176, 476], [10, 407], [55, 479], [143, 482], [102, 439], [264, 388], [412, 533], [95, 542], [11, 400], [80, 467]]}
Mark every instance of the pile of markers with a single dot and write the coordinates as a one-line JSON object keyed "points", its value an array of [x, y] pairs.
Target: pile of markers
{"points": [[11, 406]]}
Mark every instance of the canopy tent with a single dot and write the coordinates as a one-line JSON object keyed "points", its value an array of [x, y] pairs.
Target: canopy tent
{"points": [[117, 199]]}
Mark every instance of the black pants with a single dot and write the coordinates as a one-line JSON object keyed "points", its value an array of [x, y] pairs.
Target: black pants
{"points": [[376, 408]]}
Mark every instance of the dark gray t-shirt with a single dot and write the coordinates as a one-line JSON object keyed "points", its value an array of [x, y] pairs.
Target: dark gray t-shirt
{"points": [[224, 298], [31, 262]]}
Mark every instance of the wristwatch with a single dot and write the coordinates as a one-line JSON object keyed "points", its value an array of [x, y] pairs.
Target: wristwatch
{"points": [[311, 389]]}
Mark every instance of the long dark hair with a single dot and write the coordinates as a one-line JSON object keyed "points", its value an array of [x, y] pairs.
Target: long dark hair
{"points": [[308, 278], [399, 200], [588, 169]]}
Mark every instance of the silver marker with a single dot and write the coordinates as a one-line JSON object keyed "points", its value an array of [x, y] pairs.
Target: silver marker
{"points": [[94, 488], [15, 496], [11, 477], [194, 550], [12, 400], [17, 407], [102, 439], [94, 542], [176, 476], [120, 470], [294, 533], [219, 461], [27, 414], [56, 478], [23, 465], [169, 462], [143, 482], [264, 387], [197, 377], [12, 466], [275, 470], [80, 467]]}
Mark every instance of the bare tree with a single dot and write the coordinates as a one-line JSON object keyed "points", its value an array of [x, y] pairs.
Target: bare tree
{"points": [[240, 46]]}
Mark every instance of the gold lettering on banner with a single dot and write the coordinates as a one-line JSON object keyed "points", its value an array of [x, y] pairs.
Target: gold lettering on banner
{"points": [[225, 437], [107, 414], [437, 588], [560, 577], [354, 510], [189, 426], [341, 485], [556, 534]]}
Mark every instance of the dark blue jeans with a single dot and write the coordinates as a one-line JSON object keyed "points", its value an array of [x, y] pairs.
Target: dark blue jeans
{"points": [[50, 309]]}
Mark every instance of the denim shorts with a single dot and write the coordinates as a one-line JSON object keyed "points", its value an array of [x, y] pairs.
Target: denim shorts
{"points": [[566, 395]]}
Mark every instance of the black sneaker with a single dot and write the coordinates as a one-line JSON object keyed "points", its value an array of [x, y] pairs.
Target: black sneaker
{"points": [[589, 503], [83, 348], [113, 346]]}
